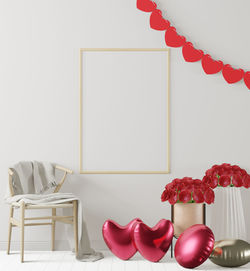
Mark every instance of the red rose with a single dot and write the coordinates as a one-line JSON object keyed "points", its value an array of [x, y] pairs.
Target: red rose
{"points": [[172, 197], [171, 186], [187, 179], [198, 196], [225, 169], [215, 169], [176, 181], [226, 166], [165, 195], [209, 196], [182, 186], [185, 196], [243, 172], [246, 181], [189, 187], [210, 172], [235, 168], [224, 180], [212, 181], [204, 186], [206, 179], [237, 180], [197, 182], [189, 183]]}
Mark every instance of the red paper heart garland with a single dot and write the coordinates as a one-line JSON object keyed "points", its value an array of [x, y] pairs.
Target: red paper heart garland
{"points": [[191, 54], [247, 79], [173, 39], [211, 66], [157, 22], [146, 5], [232, 75]]}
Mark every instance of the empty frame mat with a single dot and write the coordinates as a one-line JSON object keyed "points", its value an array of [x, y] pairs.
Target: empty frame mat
{"points": [[124, 111]]}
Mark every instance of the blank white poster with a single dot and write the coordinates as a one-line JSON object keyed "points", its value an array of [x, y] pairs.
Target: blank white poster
{"points": [[124, 112]]}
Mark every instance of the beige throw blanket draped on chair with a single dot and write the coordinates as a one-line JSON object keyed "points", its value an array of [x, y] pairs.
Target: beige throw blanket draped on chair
{"points": [[33, 177], [30, 181]]}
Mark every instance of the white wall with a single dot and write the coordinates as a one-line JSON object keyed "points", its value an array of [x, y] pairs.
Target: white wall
{"points": [[39, 112]]}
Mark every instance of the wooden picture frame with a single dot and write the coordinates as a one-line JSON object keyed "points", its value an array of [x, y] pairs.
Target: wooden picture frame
{"points": [[162, 56]]}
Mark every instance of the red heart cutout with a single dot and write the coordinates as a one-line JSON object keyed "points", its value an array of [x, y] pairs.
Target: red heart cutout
{"points": [[173, 39], [146, 5], [157, 22], [247, 79], [232, 75], [153, 243], [191, 54], [120, 239], [211, 66]]}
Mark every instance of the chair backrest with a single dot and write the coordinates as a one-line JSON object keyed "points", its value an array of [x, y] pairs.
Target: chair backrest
{"points": [[43, 182]]}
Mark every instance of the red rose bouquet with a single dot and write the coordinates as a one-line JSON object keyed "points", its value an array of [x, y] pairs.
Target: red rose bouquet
{"points": [[226, 175], [188, 190]]}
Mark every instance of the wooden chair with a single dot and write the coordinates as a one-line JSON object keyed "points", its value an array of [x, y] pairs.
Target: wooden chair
{"points": [[21, 222]]}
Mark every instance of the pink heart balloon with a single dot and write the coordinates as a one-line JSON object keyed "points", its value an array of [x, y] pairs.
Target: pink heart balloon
{"points": [[194, 246], [153, 243], [119, 239]]}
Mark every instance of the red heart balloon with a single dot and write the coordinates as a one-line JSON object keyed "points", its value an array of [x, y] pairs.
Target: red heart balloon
{"points": [[146, 5], [157, 22], [232, 75], [194, 246], [247, 79], [173, 39], [153, 243], [211, 66], [191, 54], [120, 239]]}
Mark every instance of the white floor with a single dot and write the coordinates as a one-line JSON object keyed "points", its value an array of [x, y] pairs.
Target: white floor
{"points": [[65, 261]]}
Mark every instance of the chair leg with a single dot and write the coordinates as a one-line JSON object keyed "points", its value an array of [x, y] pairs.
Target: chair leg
{"points": [[53, 227], [10, 229], [75, 222], [22, 210]]}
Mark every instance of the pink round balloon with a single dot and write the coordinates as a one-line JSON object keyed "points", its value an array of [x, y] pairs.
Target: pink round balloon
{"points": [[153, 243], [119, 239], [194, 246]]}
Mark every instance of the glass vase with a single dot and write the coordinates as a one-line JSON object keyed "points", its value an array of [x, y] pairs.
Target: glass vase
{"points": [[227, 215]]}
